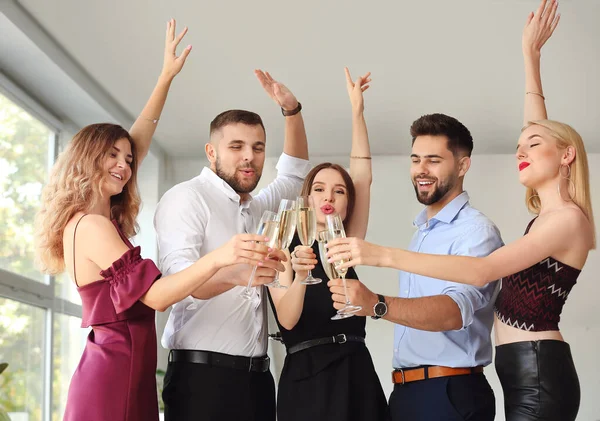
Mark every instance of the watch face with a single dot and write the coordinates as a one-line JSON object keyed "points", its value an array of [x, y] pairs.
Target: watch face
{"points": [[380, 309]]}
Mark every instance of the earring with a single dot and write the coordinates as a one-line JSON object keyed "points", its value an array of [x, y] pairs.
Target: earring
{"points": [[571, 184]]}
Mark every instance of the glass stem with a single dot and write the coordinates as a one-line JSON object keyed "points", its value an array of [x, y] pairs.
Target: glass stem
{"points": [[251, 279], [345, 289]]}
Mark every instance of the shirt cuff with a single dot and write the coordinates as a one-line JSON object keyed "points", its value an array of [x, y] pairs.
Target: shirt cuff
{"points": [[465, 306], [290, 165]]}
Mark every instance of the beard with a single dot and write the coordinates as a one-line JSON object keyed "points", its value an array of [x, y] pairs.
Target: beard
{"points": [[237, 184], [438, 192]]}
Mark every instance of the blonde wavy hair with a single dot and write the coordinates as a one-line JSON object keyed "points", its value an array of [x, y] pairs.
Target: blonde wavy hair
{"points": [[566, 136], [75, 185]]}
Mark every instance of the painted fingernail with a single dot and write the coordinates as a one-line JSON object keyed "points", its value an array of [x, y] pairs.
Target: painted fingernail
{"points": [[270, 249], [260, 263]]}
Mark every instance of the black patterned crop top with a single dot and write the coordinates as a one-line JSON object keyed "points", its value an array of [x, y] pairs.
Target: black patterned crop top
{"points": [[533, 298]]}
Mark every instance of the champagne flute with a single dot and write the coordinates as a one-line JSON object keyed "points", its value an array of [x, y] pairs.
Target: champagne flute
{"points": [[269, 227], [336, 230], [323, 238], [307, 229], [286, 216]]}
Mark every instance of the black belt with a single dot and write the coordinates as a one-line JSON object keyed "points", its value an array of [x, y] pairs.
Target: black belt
{"points": [[341, 338], [257, 364]]}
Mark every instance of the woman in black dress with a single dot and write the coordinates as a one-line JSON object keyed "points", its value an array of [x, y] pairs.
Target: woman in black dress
{"points": [[328, 372]]}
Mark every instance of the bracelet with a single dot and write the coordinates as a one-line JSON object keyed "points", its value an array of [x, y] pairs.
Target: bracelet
{"points": [[536, 93], [153, 120], [360, 157], [289, 113]]}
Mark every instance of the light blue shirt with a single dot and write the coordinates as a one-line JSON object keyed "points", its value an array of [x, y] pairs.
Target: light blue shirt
{"points": [[457, 229]]}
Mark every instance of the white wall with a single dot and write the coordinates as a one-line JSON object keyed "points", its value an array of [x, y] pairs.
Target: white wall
{"points": [[494, 188]]}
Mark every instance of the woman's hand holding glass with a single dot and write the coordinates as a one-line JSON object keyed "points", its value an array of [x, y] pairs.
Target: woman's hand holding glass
{"points": [[303, 260]]}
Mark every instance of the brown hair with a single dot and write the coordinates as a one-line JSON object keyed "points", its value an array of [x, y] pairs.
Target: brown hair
{"points": [[233, 117], [459, 137], [310, 178], [75, 185]]}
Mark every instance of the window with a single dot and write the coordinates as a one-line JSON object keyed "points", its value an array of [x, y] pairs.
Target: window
{"points": [[40, 316], [22, 345], [24, 145]]}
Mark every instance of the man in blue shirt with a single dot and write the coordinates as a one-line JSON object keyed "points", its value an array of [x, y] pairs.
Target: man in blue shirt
{"points": [[442, 333]]}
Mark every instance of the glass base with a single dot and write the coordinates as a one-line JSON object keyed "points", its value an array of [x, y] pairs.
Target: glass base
{"points": [[276, 284], [248, 294], [311, 281], [341, 316], [349, 309]]}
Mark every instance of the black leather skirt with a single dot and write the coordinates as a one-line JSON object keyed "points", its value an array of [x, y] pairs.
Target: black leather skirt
{"points": [[539, 381]]}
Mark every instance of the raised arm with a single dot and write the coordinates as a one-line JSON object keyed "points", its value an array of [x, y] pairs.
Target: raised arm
{"points": [[547, 239], [360, 157], [295, 143], [538, 29], [102, 245], [145, 125]]}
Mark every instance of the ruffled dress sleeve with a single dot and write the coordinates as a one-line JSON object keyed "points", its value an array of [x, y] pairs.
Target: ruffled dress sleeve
{"points": [[123, 284], [130, 278]]}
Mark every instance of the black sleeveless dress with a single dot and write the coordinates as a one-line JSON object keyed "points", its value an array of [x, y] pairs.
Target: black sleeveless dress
{"points": [[333, 381]]}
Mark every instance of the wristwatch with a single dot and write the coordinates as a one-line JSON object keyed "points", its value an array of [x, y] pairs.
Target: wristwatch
{"points": [[288, 113], [380, 308]]}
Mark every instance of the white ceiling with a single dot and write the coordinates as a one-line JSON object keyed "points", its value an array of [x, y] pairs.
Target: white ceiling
{"points": [[461, 58]]}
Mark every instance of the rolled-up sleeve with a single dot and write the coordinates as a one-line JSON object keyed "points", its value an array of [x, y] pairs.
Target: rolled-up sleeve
{"points": [[180, 223], [291, 172], [477, 242]]}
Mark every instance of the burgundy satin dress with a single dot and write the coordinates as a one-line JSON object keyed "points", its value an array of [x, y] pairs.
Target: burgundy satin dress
{"points": [[115, 379]]}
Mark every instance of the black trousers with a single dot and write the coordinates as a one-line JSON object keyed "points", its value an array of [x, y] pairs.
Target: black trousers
{"points": [[456, 398], [539, 381], [200, 392]]}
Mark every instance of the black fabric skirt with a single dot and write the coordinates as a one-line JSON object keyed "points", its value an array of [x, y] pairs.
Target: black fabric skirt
{"points": [[539, 381], [343, 389]]}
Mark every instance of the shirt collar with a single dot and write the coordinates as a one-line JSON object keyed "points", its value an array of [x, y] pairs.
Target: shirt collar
{"points": [[447, 213], [222, 185]]}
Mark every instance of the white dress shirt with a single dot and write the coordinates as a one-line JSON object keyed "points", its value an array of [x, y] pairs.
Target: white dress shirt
{"points": [[192, 219]]}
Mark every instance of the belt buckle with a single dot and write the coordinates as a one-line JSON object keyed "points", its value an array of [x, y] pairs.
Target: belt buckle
{"points": [[402, 373], [340, 339]]}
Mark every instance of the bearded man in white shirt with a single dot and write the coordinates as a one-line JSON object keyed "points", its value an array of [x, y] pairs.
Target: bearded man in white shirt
{"points": [[218, 366]]}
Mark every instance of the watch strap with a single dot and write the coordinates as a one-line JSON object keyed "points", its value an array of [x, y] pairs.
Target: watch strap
{"points": [[288, 113]]}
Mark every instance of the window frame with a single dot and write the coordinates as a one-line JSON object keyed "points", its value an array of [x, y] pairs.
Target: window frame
{"points": [[20, 288]]}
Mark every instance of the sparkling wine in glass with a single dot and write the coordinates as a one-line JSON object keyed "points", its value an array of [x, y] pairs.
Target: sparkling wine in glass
{"points": [[323, 238], [335, 227], [306, 225], [286, 216], [268, 227]]}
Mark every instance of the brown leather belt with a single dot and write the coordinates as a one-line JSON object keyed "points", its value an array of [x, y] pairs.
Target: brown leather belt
{"points": [[407, 375]]}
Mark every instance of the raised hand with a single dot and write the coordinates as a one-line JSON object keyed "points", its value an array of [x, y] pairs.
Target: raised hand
{"points": [[356, 89], [277, 91], [540, 26], [173, 64]]}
